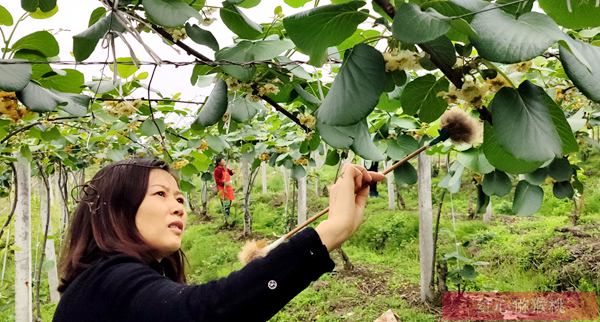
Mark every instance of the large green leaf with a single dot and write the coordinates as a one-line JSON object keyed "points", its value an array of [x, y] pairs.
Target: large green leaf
{"points": [[356, 89], [14, 77], [560, 169], [537, 177], [201, 36], [472, 5], [496, 183], [441, 50], [339, 137], [296, 3], [6, 18], [77, 105], [573, 14], [242, 109], [170, 13], [528, 198], [412, 26], [524, 124], [153, 126], [586, 79], [70, 82], [563, 189], [39, 99], [32, 5], [40, 41], [474, 160], [215, 106], [452, 180], [248, 51], [239, 23], [504, 39], [85, 42], [405, 174], [315, 30], [421, 96], [401, 147], [363, 143], [500, 158]]}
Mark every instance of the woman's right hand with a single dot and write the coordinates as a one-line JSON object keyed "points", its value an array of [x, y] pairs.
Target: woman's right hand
{"points": [[347, 201]]}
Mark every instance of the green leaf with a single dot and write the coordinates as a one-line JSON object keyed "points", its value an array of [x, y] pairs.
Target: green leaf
{"points": [[528, 198], [246, 51], [85, 42], [124, 70], [39, 99], [239, 23], [524, 125], [472, 5], [96, 15], [405, 174], [401, 147], [39, 14], [77, 105], [170, 13], [563, 189], [537, 177], [413, 26], [474, 160], [32, 5], [14, 77], [315, 30], [215, 106], [201, 36], [333, 158], [40, 41], [216, 143], [359, 36], [71, 82], [6, 18], [339, 137], [356, 88], [504, 39], [560, 169], [502, 159], [151, 127], [573, 14], [496, 183], [442, 50], [483, 200], [242, 109], [363, 143], [586, 79], [421, 96], [296, 3], [468, 272], [452, 180], [298, 172]]}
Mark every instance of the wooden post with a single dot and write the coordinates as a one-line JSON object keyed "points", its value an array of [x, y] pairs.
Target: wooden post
{"points": [[425, 226], [23, 270], [263, 175], [391, 187], [49, 249], [302, 205]]}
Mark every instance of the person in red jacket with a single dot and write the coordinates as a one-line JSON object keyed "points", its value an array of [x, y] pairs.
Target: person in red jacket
{"points": [[222, 176]]}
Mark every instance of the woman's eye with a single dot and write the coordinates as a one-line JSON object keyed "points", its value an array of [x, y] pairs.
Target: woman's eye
{"points": [[181, 201], [161, 193]]}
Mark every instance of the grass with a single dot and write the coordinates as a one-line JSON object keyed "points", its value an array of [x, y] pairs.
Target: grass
{"points": [[522, 253]]}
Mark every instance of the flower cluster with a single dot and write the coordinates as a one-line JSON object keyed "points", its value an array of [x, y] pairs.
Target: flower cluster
{"points": [[264, 156], [401, 60], [177, 165], [177, 33], [307, 120], [203, 145], [122, 108], [9, 106], [301, 161], [471, 93]]}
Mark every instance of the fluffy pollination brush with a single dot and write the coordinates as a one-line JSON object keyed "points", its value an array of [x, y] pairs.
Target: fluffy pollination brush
{"points": [[456, 125]]}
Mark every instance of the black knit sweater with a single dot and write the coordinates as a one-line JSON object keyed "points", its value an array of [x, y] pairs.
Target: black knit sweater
{"points": [[122, 288]]}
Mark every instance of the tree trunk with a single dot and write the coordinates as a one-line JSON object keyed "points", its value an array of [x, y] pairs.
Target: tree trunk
{"points": [[23, 294], [246, 180], [400, 203], [302, 209], [425, 226], [390, 187], [204, 196], [286, 191], [489, 211], [263, 176]]}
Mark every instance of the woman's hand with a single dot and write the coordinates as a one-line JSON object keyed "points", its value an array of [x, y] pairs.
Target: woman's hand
{"points": [[347, 201]]}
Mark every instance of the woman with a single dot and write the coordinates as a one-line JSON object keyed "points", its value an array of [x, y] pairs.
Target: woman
{"points": [[222, 176], [122, 259]]}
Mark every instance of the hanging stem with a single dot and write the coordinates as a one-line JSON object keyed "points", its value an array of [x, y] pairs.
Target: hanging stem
{"points": [[14, 205]]}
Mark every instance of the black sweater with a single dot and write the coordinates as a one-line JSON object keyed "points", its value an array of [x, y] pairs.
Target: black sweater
{"points": [[122, 288]]}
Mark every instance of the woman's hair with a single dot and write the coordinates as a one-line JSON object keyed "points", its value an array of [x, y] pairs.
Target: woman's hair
{"points": [[218, 160], [104, 222]]}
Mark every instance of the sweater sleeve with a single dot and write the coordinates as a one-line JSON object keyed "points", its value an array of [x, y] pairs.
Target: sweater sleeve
{"points": [[254, 293]]}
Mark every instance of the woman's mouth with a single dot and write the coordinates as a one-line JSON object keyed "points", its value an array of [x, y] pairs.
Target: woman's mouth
{"points": [[176, 226]]}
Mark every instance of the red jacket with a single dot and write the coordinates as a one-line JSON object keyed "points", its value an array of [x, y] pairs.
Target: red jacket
{"points": [[219, 175]]}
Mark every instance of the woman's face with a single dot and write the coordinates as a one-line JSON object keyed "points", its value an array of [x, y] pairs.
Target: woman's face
{"points": [[161, 217]]}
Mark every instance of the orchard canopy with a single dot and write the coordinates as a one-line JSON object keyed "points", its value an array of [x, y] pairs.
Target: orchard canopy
{"points": [[371, 77]]}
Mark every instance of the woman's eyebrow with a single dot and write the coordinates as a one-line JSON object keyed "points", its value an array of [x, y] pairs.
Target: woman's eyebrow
{"points": [[166, 188]]}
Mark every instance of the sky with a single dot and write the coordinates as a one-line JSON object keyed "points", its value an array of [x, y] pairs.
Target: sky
{"points": [[72, 18]]}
